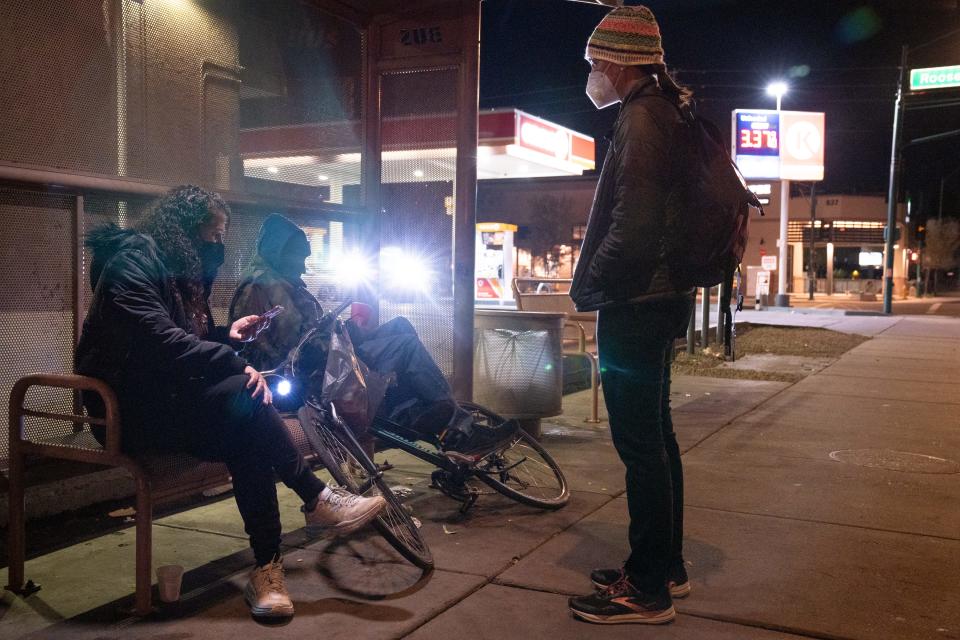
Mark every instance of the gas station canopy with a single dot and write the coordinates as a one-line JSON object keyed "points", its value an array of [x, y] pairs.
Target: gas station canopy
{"points": [[511, 144]]}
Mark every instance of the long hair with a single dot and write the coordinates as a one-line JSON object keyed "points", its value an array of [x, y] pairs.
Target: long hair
{"points": [[173, 225], [680, 94]]}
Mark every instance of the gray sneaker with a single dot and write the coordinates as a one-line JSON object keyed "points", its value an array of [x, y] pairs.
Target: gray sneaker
{"points": [[266, 592], [341, 513]]}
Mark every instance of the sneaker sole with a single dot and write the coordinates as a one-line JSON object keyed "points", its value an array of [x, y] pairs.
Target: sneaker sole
{"points": [[678, 591], [661, 617], [266, 612], [349, 526]]}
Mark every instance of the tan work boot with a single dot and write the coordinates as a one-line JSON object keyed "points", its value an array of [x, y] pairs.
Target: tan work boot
{"points": [[266, 593], [341, 513]]}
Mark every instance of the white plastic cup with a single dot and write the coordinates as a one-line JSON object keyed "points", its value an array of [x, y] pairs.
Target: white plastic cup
{"points": [[169, 577]]}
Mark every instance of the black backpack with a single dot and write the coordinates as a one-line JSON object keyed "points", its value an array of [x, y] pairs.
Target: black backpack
{"points": [[707, 210]]}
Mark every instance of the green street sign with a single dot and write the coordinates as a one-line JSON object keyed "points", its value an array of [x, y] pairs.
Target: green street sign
{"points": [[935, 78]]}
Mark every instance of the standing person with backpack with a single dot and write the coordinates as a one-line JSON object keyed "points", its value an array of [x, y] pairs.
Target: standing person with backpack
{"points": [[624, 273]]}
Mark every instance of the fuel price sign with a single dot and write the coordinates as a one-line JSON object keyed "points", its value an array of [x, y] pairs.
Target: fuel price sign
{"points": [[758, 134], [778, 145]]}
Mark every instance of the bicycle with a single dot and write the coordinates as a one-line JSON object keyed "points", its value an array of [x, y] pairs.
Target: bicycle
{"points": [[520, 469]]}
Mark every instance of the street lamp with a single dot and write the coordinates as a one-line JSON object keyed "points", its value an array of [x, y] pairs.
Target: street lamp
{"points": [[779, 89]]}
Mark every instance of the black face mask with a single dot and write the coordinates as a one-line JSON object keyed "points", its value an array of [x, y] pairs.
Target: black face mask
{"points": [[211, 256]]}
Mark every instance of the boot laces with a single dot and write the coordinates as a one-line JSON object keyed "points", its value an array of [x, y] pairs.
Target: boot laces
{"points": [[621, 585], [340, 499], [271, 577]]}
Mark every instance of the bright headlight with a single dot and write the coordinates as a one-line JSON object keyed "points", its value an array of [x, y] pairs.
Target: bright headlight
{"points": [[403, 270], [353, 269], [283, 387]]}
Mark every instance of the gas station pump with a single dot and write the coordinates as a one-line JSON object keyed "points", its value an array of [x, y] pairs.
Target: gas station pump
{"points": [[494, 263]]}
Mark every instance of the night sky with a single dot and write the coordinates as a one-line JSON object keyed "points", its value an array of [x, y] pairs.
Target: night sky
{"points": [[839, 57]]}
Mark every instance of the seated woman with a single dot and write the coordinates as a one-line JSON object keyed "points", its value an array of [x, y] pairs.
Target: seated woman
{"points": [[182, 388], [421, 398]]}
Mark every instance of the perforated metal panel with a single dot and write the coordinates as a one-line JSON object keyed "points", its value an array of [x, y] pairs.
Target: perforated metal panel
{"points": [[36, 308], [239, 96], [58, 91], [419, 172], [518, 363]]}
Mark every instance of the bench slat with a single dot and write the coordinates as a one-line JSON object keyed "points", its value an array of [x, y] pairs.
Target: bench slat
{"points": [[68, 417]]}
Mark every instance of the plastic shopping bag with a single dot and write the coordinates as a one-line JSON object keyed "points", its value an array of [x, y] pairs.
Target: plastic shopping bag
{"points": [[350, 385]]}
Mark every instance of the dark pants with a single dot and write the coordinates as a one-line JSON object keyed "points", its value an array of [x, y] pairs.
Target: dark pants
{"points": [[635, 345], [421, 397], [222, 422]]}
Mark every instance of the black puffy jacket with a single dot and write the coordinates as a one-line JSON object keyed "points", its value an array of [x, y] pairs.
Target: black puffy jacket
{"points": [[621, 259], [136, 336]]}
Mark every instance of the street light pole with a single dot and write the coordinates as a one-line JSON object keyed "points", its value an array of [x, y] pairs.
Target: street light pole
{"points": [[813, 238], [778, 89], [893, 188]]}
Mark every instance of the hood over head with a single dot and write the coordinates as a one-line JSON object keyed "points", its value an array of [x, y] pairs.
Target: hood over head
{"points": [[283, 246], [106, 241]]}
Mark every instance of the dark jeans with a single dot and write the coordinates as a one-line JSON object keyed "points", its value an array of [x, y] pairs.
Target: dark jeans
{"points": [[635, 345], [421, 398], [222, 422]]}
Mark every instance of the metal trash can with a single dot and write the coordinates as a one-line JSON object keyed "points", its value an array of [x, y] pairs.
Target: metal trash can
{"points": [[518, 364]]}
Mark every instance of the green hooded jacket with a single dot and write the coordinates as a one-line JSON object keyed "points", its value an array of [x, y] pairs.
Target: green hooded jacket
{"points": [[271, 280]]}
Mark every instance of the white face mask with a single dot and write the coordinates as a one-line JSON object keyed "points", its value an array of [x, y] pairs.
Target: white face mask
{"points": [[600, 90]]}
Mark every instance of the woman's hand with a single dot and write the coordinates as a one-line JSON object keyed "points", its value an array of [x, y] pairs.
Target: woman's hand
{"points": [[247, 328], [258, 383]]}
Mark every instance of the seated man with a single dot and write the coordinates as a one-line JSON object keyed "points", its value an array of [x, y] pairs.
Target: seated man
{"points": [[182, 388], [421, 398]]}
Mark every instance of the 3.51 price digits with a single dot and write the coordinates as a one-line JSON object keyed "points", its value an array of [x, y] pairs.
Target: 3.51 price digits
{"points": [[758, 139]]}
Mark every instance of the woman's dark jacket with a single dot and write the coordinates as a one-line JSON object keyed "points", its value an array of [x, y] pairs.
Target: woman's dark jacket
{"points": [[137, 336], [621, 259]]}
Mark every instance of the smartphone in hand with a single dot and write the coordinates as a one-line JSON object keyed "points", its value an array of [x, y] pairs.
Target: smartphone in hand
{"points": [[271, 314]]}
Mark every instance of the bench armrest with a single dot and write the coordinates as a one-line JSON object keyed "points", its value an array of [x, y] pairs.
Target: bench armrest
{"points": [[111, 421]]}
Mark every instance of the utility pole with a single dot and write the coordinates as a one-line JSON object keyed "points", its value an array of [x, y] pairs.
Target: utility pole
{"points": [[895, 161]]}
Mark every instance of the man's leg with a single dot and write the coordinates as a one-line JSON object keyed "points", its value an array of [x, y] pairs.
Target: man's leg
{"points": [[395, 347], [632, 351]]}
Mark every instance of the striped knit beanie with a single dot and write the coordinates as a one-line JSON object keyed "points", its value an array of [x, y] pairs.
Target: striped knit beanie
{"points": [[627, 36]]}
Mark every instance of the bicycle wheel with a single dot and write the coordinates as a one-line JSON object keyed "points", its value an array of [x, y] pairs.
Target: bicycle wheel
{"points": [[353, 470], [521, 469]]}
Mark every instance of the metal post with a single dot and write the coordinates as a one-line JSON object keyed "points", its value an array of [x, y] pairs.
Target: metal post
{"points": [[705, 318], [893, 187], [465, 224], [813, 238], [783, 300], [692, 330], [721, 296]]}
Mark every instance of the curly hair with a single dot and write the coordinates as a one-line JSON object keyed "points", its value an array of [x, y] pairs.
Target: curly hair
{"points": [[173, 225]]}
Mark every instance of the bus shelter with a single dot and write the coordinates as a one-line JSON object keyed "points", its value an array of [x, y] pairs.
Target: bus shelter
{"points": [[109, 103]]}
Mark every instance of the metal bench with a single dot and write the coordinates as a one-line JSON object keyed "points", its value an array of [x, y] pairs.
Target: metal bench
{"points": [[557, 299], [158, 478]]}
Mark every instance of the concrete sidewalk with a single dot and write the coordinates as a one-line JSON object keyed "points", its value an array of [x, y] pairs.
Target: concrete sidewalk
{"points": [[826, 508]]}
